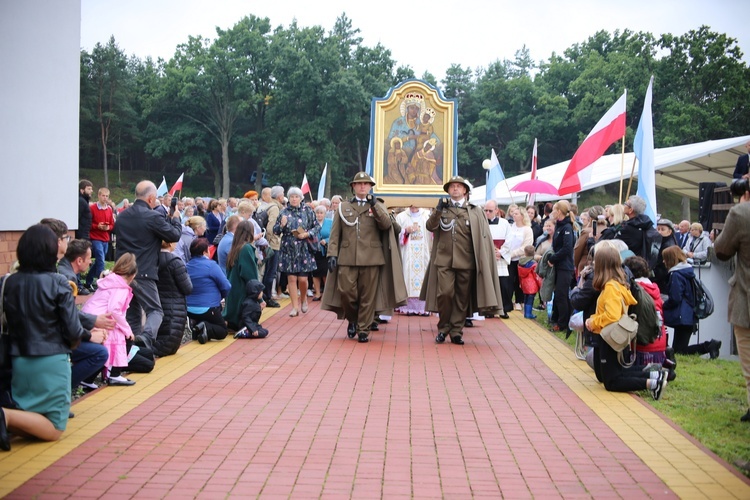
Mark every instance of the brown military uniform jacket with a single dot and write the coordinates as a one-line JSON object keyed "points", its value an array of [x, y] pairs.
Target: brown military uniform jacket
{"points": [[486, 298], [355, 234]]}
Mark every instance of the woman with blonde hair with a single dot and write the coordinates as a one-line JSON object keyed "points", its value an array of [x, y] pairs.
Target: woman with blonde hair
{"points": [[562, 260], [519, 237], [615, 215], [194, 227], [614, 299]]}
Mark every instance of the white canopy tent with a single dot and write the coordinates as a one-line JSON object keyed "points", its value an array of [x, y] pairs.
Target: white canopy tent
{"points": [[679, 169]]}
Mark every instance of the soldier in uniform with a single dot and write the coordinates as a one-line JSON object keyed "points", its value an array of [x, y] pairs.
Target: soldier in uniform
{"points": [[356, 256], [461, 276]]}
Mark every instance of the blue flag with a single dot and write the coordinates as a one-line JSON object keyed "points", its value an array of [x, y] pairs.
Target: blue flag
{"points": [[322, 185], [643, 146], [494, 177], [162, 189]]}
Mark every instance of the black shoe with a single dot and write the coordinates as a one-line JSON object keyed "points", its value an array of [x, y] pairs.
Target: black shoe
{"points": [[713, 348], [120, 381], [468, 323], [71, 414], [669, 364], [457, 340], [504, 316], [671, 374], [82, 290], [440, 338], [272, 303], [4, 437], [363, 338], [351, 330], [743, 418], [374, 327], [201, 332]]}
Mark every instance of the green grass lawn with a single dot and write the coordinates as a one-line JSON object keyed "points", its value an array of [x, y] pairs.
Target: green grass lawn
{"points": [[706, 399]]}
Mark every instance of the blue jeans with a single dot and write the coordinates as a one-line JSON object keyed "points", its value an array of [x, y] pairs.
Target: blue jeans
{"points": [[88, 358], [98, 252]]}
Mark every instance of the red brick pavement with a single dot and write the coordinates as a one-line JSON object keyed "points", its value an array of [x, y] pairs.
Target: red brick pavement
{"points": [[307, 412]]}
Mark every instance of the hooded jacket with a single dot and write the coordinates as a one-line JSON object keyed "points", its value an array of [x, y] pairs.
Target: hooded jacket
{"points": [[660, 344], [632, 233], [678, 308], [609, 305], [251, 308]]}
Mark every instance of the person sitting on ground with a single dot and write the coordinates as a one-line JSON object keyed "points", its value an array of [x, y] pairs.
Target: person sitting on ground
{"points": [[252, 308], [611, 282], [209, 287], [655, 352], [174, 285], [43, 328], [679, 308], [114, 294], [530, 280]]}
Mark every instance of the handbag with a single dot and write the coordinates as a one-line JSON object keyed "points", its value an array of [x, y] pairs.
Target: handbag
{"points": [[622, 332]]}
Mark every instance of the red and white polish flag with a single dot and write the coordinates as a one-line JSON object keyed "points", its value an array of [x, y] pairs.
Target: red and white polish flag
{"points": [[177, 185], [611, 127]]}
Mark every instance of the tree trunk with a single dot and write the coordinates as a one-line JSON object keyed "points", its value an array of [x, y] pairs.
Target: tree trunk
{"points": [[217, 180], [225, 164]]}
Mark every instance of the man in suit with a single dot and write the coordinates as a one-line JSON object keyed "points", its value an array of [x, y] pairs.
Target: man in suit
{"points": [[355, 253], [140, 230], [743, 165], [461, 277], [683, 234]]}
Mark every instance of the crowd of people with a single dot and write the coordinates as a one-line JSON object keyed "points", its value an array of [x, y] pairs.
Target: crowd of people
{"points": [[213, 268]]}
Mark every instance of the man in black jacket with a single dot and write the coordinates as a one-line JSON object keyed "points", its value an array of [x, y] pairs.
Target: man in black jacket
{"points": [[635, 228], [140, 230]]}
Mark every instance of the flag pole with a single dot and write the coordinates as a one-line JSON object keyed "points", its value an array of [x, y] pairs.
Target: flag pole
{"points": [[506, 185], [622, 167], [632, 173]]}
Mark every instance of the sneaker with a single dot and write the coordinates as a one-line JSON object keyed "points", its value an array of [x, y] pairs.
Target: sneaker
{"points": [[272, 303], [661, 384], [517, 307], [242, 333], [310, 293], [88, 387]]}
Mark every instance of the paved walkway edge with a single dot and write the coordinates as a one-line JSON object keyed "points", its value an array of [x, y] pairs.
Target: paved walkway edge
{"points": [[685, 467]]}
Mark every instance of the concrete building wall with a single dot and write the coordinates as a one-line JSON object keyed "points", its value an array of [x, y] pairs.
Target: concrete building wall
{"points": [[39, 106]]}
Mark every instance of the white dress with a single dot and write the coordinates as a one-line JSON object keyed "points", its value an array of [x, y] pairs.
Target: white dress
{"points": [[415, 250]]}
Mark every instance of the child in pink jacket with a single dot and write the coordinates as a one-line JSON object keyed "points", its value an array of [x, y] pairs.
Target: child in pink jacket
{"points": [[113, 295]]}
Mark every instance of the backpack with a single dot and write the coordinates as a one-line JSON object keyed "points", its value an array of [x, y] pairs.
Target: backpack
{"points": [[649, 324], [651, 246], [704, 302], [261, 217]]}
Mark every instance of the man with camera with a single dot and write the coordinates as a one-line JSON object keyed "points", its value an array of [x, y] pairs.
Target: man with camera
{"points": [[461, 276]]}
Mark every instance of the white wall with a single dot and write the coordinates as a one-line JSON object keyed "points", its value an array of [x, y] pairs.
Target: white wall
{"points": [[39, 106]]}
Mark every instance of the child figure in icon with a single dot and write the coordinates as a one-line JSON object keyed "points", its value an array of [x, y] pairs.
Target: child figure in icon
{"points": [[398, 162]]}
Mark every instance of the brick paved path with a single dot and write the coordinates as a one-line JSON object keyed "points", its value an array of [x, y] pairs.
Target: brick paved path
{"points": [[309, 413]]}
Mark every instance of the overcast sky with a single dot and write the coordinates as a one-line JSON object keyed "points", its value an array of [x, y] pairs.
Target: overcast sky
{"points": [[424, 35]]}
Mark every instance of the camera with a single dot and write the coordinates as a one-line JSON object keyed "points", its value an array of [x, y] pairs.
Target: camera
{"points": [[739, 187]]}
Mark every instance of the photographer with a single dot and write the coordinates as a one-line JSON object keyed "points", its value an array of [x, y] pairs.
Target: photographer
{"points": [[735, 240]]}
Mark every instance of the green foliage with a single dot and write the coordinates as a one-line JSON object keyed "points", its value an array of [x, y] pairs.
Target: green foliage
{"points": [[285, 101]]}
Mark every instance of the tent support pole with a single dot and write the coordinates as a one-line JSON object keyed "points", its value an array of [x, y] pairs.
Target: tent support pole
{"points": [[630, 182], [622, 167]]}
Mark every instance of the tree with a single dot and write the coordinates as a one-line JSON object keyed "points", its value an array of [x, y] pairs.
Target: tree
{"points": [[214, 84], [108, 81]]}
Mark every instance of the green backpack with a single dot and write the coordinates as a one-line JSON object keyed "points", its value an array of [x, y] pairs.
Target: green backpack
{"points": [[649, 324]]}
